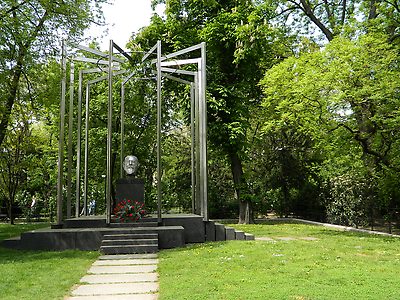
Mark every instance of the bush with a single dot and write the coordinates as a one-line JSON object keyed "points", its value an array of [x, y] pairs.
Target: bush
{"points": [[347, 201]]}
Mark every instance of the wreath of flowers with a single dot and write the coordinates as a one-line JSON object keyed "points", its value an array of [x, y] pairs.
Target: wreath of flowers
{"points": [[130, 210]]}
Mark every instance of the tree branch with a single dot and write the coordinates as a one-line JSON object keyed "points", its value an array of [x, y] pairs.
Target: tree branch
{"points": [[309, 13], [344, 11], [372, 10], [366, 149], [2, 16]]}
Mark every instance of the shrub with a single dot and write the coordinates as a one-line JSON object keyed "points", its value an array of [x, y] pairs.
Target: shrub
{"points": [[348, 201]]}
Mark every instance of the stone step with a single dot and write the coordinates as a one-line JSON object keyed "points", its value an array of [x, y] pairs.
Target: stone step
{"points": [[127, 230], [128, 249], [129, 242], [130, 236], [133, 225], [249, 237], [140, 221]]}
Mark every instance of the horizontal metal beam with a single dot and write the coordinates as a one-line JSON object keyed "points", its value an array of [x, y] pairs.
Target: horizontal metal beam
{"points": [[93, 60], [177, 71], [119, 73], [105, 77], [97, 79], [176, 79], [180, 52], [98, 70], [180, 62], [97, 52], [130, 76]]}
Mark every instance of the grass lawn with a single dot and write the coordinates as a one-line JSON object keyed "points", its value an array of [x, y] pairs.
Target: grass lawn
{"points": [[339, 265], [39, 275]]}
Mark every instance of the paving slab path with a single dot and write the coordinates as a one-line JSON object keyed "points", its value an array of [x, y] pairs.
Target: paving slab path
{"points": [[120, 277]]}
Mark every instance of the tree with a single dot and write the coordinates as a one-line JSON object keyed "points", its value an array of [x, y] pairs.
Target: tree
{"points": [[332, 18], [349, 85], [177, 168], [348, 91], [17, 158], [288, 163], [241, 45], [30, 33]]}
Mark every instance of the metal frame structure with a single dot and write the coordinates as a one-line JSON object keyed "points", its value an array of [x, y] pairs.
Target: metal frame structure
{"points": [[164, 69]]}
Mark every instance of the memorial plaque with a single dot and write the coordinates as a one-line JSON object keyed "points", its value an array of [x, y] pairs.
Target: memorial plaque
{"points": [[130, 189]]}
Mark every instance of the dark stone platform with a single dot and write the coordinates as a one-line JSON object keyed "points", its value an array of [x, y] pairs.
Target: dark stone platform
{"points": [[87, 239], [86, 233]]}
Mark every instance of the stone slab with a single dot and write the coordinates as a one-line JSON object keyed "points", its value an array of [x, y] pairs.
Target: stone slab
{"points": [[239, 235], [128, 256], [50, 239], [210, 231], [85, 222], [119, 278], [129, 189], [230, 233], [193, 224], [122, 269], [120, 262], [219, 232], [12, 243], [249, 237], [264, 238], [118, 297], [172, 237], [88, 240], [115, 288], [308, 238], [285, 238]]}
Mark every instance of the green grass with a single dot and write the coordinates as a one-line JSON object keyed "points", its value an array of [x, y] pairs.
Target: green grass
{"points": [[39, 275], [340, 265]]}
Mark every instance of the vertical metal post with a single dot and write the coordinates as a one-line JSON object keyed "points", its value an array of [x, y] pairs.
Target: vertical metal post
{"points": [[192, 146], [122, 129], [109, 128], [197, 144], [159, 111], [70, 131], [78, 147], [203, 133], [61, 137], [85, 191]]}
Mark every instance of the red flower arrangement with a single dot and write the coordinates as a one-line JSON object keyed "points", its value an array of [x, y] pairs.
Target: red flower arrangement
{"points": [[130, 210]]}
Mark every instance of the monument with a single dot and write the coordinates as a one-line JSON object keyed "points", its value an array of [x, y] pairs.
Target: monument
{"points": [[163, 67], [130, 188]]}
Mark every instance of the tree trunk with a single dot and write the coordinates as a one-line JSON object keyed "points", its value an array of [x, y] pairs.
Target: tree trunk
{"points": [[245, 205], [10, 214], [5, 118], [285, 192], [285, 198]]}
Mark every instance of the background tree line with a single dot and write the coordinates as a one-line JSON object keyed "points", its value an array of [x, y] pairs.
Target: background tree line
{"points": [[303, 108]]}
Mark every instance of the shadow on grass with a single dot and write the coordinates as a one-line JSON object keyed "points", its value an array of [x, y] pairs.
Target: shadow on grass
{"points": [[9, 256]]}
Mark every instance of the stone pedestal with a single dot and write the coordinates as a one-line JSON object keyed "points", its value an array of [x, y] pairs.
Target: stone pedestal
{"points": [[130, 189]]}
